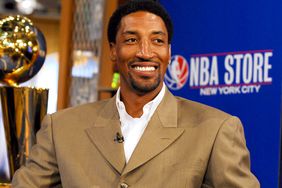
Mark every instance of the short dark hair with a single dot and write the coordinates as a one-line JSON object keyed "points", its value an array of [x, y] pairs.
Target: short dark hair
{"points": [[134, 6]]}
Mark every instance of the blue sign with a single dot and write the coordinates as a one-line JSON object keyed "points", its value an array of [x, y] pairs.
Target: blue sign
{"points": [[227, 54]]}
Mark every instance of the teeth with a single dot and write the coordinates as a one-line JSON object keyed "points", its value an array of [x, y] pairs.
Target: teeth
{"points": [[144, 68]]}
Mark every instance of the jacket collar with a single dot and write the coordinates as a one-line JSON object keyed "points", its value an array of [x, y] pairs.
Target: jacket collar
{"points": [[161, 132]]}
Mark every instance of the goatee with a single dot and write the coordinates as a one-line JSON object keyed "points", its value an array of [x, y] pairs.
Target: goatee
{"points": [[144, 87]]}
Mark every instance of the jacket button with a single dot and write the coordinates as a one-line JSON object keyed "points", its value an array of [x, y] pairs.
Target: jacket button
{"points": [[123, 185]]}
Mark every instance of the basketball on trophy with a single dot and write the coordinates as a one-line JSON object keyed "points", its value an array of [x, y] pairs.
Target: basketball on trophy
{"points": [[22, 50]]}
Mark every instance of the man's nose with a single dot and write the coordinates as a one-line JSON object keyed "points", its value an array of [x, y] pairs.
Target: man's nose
{"points": [[145, 50]]}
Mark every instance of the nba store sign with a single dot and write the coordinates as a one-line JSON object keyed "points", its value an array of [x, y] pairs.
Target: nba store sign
{"points": [[228, 73]]}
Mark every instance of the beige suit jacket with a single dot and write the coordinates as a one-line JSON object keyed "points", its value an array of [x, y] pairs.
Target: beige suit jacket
{"points": [[186, 144]]}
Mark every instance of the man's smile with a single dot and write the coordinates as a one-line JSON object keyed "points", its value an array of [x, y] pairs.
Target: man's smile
{"points": [[147, 69], [139, 68]]}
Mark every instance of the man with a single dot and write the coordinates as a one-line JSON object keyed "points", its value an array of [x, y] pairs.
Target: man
{"points": [[144, 136]]}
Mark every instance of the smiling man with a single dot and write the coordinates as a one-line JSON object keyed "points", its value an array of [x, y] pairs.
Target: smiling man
{"points": [[141, 51], [144, 136]]}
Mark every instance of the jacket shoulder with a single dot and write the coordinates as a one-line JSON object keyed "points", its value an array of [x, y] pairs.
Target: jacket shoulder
{"points": [[198, 113], [200, 107], [81, 114]]}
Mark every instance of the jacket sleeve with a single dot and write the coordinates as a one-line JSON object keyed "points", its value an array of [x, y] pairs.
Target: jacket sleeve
{"points": [[229, 164], [41, 169]]}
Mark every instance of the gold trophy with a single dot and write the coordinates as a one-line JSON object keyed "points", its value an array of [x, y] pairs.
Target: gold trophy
{"points": [[22, 54]]}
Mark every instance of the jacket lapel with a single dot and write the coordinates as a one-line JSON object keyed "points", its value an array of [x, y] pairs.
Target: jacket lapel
{"points": [[103, 132], [160, 133]]}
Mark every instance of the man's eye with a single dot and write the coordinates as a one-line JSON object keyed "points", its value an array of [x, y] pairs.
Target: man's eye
{"points": [[130, 40], [159, 41]]}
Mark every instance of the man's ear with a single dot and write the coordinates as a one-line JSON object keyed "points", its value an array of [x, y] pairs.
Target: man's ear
{"points": [[113, 53]]}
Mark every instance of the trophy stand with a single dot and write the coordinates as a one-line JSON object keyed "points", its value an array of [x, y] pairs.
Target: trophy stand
{"points": [[23, 108]]}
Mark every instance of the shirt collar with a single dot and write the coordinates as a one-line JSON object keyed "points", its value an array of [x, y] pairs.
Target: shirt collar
{"points": [[150, 106]]}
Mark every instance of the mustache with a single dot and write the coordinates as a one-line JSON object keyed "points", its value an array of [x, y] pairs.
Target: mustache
{"points": [[138, 60]]}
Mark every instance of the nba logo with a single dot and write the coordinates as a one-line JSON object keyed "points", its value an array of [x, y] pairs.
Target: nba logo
{"points": [[177, 73]]}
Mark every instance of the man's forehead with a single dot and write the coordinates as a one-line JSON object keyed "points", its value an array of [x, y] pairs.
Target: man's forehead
{"points": [[145, 19], [141, 14]]}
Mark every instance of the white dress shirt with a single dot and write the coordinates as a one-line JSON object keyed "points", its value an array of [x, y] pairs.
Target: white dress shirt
{"points": [[132, 128]]}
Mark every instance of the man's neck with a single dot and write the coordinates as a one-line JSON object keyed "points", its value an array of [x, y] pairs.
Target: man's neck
{"points": [[135, 102]]}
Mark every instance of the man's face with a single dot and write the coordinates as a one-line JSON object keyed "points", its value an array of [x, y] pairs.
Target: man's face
{"points": [[141, 52]]}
